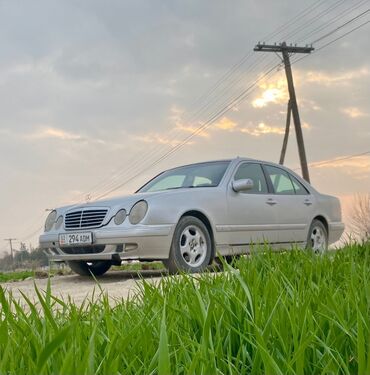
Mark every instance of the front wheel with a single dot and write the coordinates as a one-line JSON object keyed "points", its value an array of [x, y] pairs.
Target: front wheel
{"points": [[97, 268], [317, 240], [191, 249]]}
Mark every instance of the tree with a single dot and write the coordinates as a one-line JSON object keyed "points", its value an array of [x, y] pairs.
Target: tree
{"points": [[360, 216]]}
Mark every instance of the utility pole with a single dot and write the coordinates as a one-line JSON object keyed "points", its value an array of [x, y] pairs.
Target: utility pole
{"points": [[285, 50], [286, 135], [10, 240]]}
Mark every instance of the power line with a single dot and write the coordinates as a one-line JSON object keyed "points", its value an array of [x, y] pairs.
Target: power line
{"points": [[334, 160], [173, 149], [188, 138], [294, 20], [342, 36], [337, 17], [312, 20], [156, 151], [341, 26], [333, 41], [236, 66]]}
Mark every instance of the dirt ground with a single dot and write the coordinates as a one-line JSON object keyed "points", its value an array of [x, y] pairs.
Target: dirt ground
{"points": [[117, 284]]}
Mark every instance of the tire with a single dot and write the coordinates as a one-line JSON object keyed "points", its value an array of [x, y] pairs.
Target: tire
{"points": [[317, 239], [191, 248], [229, 259], [96, 268]]}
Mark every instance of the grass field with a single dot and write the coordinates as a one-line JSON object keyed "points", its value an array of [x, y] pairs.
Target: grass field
{"points": [[290, 313]]}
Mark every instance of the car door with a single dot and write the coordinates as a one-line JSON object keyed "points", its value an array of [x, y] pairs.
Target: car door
{"points": [[251, 218], [293, 203]]}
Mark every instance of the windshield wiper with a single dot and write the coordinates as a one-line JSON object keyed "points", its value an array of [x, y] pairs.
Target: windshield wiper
{"points": [[179, 187], [188, 187]]}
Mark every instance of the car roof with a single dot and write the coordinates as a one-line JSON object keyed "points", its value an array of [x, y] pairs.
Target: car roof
{"points": [[236, 159]]}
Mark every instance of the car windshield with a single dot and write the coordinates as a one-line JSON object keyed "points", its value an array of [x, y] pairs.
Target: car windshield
{"points": [[190, 176]]}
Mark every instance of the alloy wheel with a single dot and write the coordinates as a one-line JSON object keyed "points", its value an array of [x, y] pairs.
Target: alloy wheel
{"points": [[318, 240], [193, 246]]}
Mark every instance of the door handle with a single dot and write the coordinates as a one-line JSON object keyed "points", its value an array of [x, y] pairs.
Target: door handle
{"points": [[307, 202], [271, 201]]}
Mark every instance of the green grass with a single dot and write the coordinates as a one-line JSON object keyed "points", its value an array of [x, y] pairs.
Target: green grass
{"points": [[291, 313], [15, 276]]}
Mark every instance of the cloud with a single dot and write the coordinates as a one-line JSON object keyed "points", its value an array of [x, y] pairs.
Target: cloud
{"points": [[49, 133], [173, 137], [156, 138], [354, 112], [192, 129], [262, 129], [275, 92], [225, 124], [54, 133], [336, 78], [176, 119]]}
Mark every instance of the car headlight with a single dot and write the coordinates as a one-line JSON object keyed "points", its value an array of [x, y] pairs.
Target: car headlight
{"points": [[50, 220], [138, 212], [59, 222], [120, 217]]}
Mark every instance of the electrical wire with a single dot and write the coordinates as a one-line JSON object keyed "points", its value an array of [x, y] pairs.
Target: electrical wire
{"points": [[188, 138], [301, 14], [334, 160], [197, 132], [143, 159], [175, 147], [331, 21], [341, 26], [315, 18], [331, 42]]}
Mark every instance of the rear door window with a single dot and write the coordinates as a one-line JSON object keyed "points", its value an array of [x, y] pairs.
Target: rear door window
{"points": [[280, 180]]}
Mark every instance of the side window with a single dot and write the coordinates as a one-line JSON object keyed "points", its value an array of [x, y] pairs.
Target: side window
{"points": [[202, 181], [298, 187], [280, 181], [255, 173]]}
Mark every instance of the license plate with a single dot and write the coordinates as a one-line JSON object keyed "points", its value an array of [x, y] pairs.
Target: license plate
{"points": [[73, 239]]}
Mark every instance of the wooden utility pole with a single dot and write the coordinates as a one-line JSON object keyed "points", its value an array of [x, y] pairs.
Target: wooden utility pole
{"points": [[292, 105], [11, 249], [286, 135]]}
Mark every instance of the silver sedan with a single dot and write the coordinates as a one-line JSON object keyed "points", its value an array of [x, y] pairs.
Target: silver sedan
{"points": [[189, 215]]}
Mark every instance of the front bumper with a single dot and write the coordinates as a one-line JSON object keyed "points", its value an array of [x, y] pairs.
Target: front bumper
{"points": [[139, 242]]}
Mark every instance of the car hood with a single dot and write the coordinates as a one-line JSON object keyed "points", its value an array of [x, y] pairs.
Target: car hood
{"points": [[127, 201]]}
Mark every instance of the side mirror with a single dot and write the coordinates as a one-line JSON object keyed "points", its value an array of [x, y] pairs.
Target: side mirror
{"points": [[242, 185]]}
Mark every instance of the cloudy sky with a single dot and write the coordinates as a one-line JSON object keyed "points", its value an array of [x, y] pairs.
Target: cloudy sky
{"points": [[93, 92]]}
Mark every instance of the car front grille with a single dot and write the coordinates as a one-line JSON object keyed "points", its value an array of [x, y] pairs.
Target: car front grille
{"points": [[82, 219], [84, 249]]}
